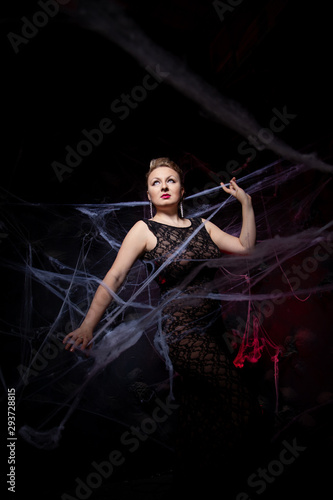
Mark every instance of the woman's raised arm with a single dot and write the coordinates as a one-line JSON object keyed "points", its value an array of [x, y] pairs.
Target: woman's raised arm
{"points": [[247, 238]]}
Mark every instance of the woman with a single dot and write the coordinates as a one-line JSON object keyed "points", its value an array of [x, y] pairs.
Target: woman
{"points": [[215, 405]]}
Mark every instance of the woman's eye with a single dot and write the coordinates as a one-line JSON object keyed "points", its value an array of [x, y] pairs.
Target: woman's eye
{"points": [[155, 183]]}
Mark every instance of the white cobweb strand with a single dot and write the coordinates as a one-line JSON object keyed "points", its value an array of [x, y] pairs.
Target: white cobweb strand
{"points": [[108, 19], [62, 281], [238, 283]]}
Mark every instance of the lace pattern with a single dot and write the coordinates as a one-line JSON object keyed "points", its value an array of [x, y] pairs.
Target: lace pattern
{"points": [[216, 405]]}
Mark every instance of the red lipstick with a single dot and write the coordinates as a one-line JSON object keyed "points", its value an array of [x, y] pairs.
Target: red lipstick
{"points": [[165, 196]]}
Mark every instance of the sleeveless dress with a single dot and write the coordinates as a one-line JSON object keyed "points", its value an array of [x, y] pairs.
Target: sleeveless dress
{"points": [[215, 404]]}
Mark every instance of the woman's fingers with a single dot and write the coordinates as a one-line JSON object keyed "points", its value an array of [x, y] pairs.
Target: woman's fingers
{"points": [[68, 341], [86, 344], [75, 339], [233, 186], [236, 191]]}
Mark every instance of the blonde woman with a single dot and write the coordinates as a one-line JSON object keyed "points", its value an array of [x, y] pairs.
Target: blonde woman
{"points": [[215, 405]]}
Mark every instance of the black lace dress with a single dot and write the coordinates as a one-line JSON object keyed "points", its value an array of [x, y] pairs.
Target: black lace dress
{"points": [[215, 403]]}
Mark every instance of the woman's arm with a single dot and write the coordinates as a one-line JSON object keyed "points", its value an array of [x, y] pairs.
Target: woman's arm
{"points": [[133, 246], [247, 237]]}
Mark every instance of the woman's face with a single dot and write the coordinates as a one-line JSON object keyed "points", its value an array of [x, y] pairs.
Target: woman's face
{"points": [[164, 187]]}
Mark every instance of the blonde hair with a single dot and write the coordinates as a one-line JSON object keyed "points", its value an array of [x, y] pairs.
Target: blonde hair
{"points": [[164, 162]]}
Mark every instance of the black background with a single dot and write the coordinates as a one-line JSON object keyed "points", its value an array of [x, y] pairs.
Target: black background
{"points": [[262, 54]]}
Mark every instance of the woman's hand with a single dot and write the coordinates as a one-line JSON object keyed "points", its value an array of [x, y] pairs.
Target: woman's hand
{"points": [[79, 338], [237, 192]]}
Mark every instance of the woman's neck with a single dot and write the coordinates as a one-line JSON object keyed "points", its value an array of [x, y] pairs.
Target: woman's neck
{"points": [[170, 219]]}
